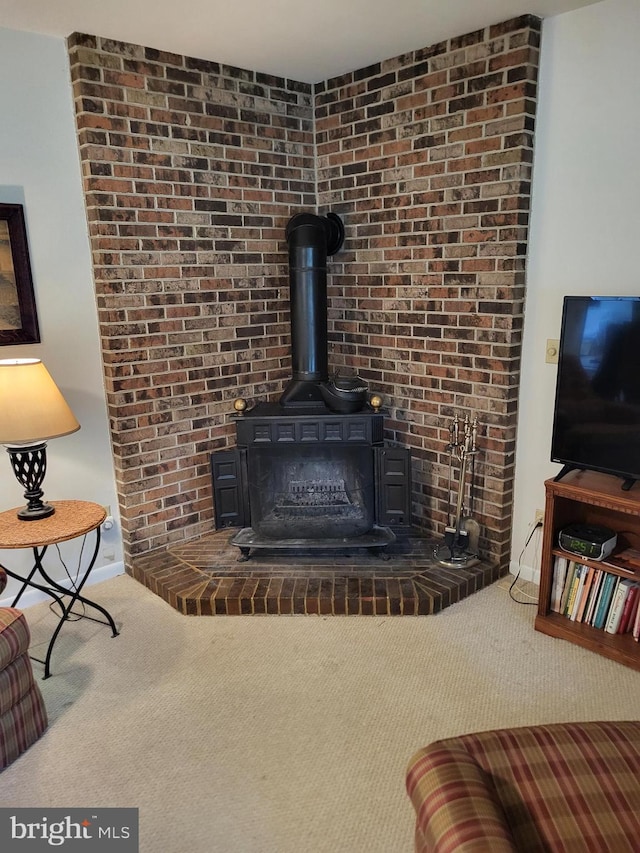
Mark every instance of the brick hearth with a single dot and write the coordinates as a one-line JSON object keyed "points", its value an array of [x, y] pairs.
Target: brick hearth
{"points": [[204, 578]]}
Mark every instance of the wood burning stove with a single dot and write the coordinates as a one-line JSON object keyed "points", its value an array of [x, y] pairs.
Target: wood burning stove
{"points": [[311, 479], [312, 471]]}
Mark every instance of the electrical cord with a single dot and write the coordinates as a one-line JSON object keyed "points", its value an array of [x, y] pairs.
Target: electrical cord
{"points": [[73, 584], [536, 525]]}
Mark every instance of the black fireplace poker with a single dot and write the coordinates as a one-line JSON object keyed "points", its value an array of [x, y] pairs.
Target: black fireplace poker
{"points": [[311, 240]]}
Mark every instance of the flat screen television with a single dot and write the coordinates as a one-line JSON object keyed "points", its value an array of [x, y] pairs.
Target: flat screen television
{"points": [[596, 424]]}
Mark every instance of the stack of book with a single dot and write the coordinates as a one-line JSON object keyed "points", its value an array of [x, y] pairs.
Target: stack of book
{"points": [[596, 597]]}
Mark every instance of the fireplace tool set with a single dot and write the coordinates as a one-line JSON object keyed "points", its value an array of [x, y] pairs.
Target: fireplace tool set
{"points": [[460, 546]]}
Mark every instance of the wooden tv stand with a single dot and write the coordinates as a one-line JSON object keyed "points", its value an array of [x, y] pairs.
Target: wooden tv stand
{"points": [[597, 499]]}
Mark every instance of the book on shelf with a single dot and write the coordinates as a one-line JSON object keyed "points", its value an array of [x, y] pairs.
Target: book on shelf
{"points": [[635, 629], [606, 594], [568, 583], [560, 567], [573, 582], [581, 574], [604, 581], [616, 608], [629, 611], [593, 596], [584, 594]]}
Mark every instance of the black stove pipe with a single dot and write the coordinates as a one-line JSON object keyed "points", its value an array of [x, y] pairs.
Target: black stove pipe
{"points": [[311, 239]]}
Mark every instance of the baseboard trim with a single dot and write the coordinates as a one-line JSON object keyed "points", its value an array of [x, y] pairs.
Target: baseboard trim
{"points": [[527, 573], [34, 596]]}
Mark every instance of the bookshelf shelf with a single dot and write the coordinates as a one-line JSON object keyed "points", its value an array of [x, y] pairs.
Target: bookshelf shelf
{"points": [[615, 563], [596, 499]]}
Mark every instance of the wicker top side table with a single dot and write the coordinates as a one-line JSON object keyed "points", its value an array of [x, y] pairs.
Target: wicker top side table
{"points": [[70, 520]]}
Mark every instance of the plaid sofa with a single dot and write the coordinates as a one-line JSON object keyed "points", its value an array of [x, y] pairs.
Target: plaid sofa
{"points": [[23, 717], [564, 787]]}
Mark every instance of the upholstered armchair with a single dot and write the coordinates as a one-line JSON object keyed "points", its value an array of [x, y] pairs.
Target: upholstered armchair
{"points": [[566, 787], [23, 717]]}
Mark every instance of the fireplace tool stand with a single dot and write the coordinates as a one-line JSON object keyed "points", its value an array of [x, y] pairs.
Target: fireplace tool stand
{"points": [[460, 546]]}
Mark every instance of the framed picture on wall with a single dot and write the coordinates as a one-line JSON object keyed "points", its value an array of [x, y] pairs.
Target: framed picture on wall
{"points": [[18, 318]]}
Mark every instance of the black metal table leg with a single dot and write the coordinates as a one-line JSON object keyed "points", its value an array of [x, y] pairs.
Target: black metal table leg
{"points": [[75, 596]]}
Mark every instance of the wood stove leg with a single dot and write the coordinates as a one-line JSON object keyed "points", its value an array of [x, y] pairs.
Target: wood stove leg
{"points": [[244, 555]]}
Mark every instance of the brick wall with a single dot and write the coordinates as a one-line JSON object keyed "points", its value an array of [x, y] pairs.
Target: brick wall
{"points": [[427, 157], [191, 171]]}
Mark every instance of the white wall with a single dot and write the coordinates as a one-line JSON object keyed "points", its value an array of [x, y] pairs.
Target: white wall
{"points": [[40, 168], [585, 232]]}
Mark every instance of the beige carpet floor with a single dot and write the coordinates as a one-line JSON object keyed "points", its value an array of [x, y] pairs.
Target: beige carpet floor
{"points": [[286, 734]]}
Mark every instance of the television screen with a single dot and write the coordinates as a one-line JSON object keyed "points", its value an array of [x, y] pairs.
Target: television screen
{"points": [[596, 422]]}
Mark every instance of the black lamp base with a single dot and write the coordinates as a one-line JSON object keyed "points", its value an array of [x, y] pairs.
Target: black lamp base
{"points": [[30, 465], [36, 513]]}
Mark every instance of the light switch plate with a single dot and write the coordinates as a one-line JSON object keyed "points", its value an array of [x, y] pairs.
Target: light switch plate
{"points": [[551, 352]]}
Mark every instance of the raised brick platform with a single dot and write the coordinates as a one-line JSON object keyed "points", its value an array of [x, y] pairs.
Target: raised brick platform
{"points": [[204, 578]]}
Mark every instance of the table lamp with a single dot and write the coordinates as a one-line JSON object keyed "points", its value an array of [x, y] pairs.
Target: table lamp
{"points": [[32, 410]]}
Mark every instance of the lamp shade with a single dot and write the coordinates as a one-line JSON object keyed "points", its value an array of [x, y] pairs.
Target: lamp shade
{"points": [[31, 405]]}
